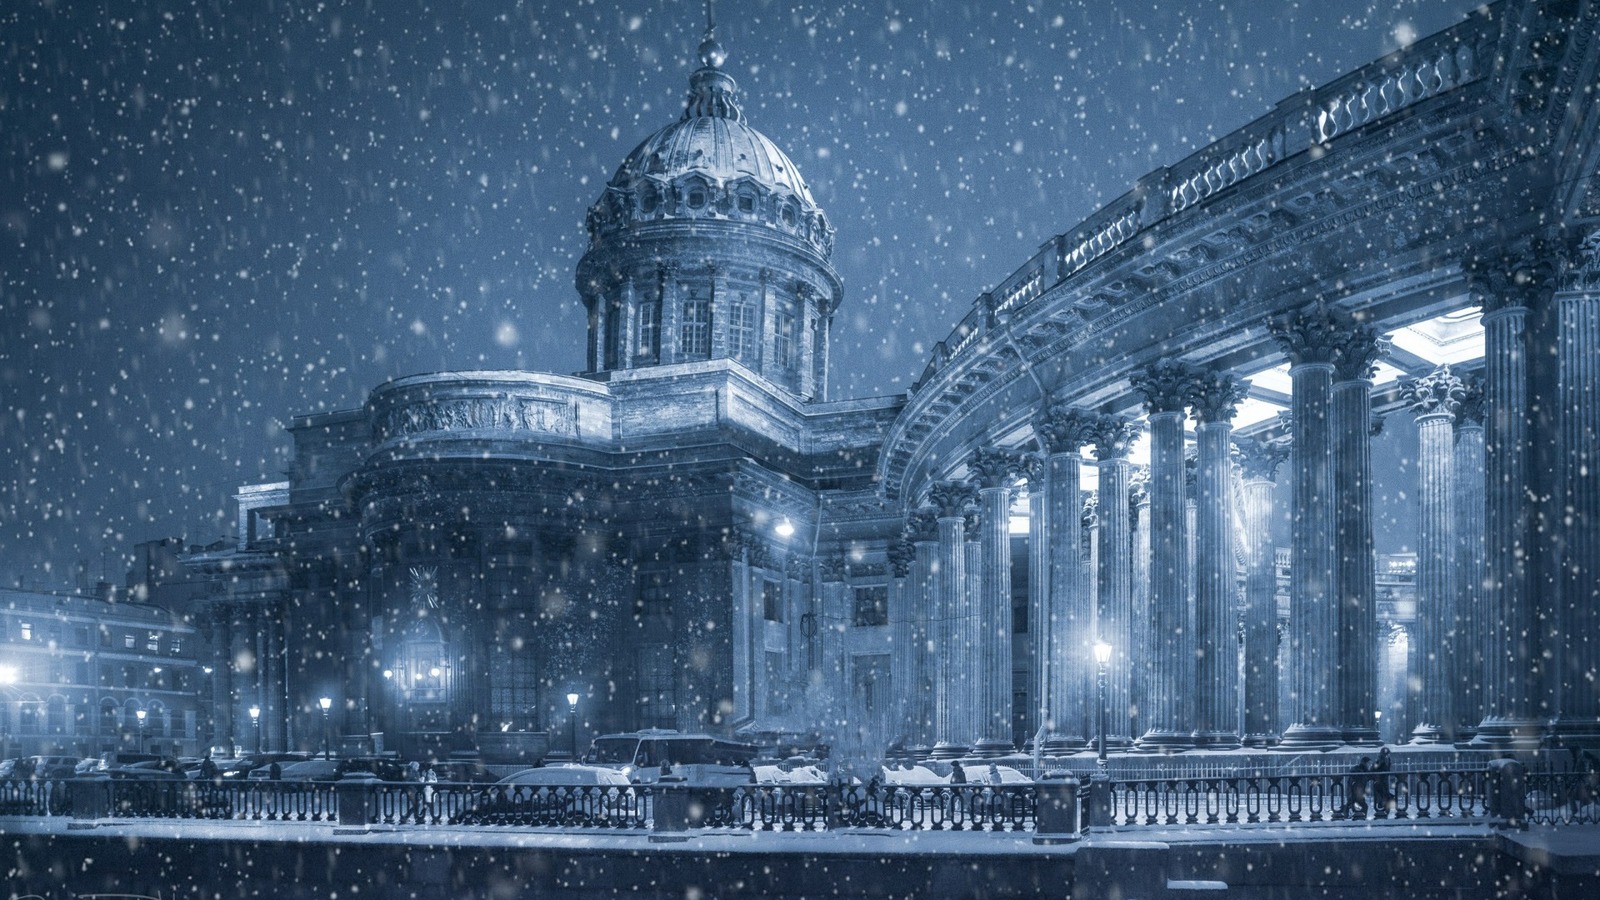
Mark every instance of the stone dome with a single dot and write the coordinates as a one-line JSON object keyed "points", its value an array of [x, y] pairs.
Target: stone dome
{"points": [[710, 164], [720, 148]]}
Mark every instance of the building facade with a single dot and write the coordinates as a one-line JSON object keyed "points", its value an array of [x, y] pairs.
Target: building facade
{"points": [[81, 676], [693, 534]]}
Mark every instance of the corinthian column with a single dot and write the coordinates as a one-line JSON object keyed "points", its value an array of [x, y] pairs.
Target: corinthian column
{"points": [[954, 662], [1578, 446], [1512, 678], [1258, 464], [1354, 575], [1063, 630], [1470, 574], [994, 470], [1216, 590], [1167, 388], [1113, 438], [1434, 399], [1310, 338], [927, 632]]}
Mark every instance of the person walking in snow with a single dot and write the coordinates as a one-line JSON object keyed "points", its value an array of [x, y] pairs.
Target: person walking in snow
{"points": [[1383, 794], [1355, 803]]}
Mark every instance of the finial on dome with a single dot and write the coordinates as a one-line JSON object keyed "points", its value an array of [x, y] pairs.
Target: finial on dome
{"points": [[711, 91], [712, 55]]}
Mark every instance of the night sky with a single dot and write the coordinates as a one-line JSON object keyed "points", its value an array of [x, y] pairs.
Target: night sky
{"points": [[214, 216]]}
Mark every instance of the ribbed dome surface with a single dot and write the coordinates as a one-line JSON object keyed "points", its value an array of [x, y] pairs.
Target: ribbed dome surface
{"points": [[721, 148]]}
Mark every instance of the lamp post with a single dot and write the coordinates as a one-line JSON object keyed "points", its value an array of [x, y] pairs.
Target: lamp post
{"points": [[140, 714], [572, 719], [326, 703], [255, 725], [1102, 656]]}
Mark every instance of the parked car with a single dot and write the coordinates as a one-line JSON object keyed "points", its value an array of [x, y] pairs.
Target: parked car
{"points": [[382, 767], [162, 768], [569, 794], [242, 767], [117, 759], [464, 772], [310, 770]]}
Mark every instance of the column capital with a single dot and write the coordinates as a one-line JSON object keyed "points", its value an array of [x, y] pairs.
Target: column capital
{"points": [[1580, 269], [1523, 278], [1311, 334], [831, 566], [1471, 409], [1167, 386], [951, 498], [922, 525], [1358, 352], [1258, 459], [1438, 393], [992, 467], [902, 553], [1065, 429], [1113, 438], [1216, 395]]}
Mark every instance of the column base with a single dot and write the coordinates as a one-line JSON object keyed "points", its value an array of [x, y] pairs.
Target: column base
{"points": [[1499, 733], [948, 750], [1578, 732], [1216, 740], [1300, 736], [1166, 741], [1064, 743], [1430, 734], [1362, 737], [1260, 741], [989, 748]]}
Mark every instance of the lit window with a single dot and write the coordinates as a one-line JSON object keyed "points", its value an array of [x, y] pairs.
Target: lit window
{"points": [[27, 631]]}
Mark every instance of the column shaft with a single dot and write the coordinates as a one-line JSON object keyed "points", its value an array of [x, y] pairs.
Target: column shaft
{"points": [[924, 637], [1261, 722], [1216, 592], [952, 659], [1436, 717], [1469, 574], [1070, 627], [994, 619], [1115, 593], [1171, 667], [1355, 576], [1578, 613], [1313, 608]]}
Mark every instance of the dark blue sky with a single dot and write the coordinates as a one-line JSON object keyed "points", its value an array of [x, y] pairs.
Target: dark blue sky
{"points": [[217, 215]]}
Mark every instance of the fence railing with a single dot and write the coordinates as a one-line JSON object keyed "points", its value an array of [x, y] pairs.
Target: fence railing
{"points": [[1498, 795]]}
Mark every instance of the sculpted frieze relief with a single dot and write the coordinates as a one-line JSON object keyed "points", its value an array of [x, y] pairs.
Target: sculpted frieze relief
{"points": [[501, 413]]}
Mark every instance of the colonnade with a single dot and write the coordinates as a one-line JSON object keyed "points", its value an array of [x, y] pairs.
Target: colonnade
{"points": [[1508, 503]]}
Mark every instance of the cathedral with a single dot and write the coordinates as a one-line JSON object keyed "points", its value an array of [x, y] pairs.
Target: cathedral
{"points": [[692, 534]]}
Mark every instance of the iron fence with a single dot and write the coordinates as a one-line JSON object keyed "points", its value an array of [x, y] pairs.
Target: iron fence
{"points": [[1299, 798], [1564, 798]]}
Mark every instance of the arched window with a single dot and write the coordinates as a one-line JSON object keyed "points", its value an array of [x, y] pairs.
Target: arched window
{"points": [[697, 198], [650, 199]]}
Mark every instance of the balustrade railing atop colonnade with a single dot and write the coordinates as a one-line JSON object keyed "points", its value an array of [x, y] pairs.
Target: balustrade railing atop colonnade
{"points": [[1306, 121], [1498, 795]]}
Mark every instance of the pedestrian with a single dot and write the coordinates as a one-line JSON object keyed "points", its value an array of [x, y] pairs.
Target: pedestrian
{"points": [[1355, 803], [275, 771], [208, 768], [429, 779], [1383, 795], [958, 775]]}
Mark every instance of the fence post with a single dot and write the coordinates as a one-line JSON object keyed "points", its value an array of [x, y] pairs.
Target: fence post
{"points": [[669, 800], [1056, 796], [91, 799], [1100, 801], [1508, 793], [355, 800]]}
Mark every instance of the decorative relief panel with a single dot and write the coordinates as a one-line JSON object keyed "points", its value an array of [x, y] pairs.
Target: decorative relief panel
{"points": [[502, 413]]}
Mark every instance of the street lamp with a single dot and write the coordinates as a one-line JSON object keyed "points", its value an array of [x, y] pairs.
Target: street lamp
{"points": [[140, 714], [255, 725], [572, 718], [1102, 656], [326, 703]]}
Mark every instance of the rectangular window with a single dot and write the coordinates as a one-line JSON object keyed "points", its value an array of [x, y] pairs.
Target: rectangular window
{"points": [[872, 605], [514, 689], [105, 636], [742, 330], [129, 642], [153, 642], [27, 630], [695, 332], [657, 691], [80, 636], [649, 332], [783, 340], [771, 601]]}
